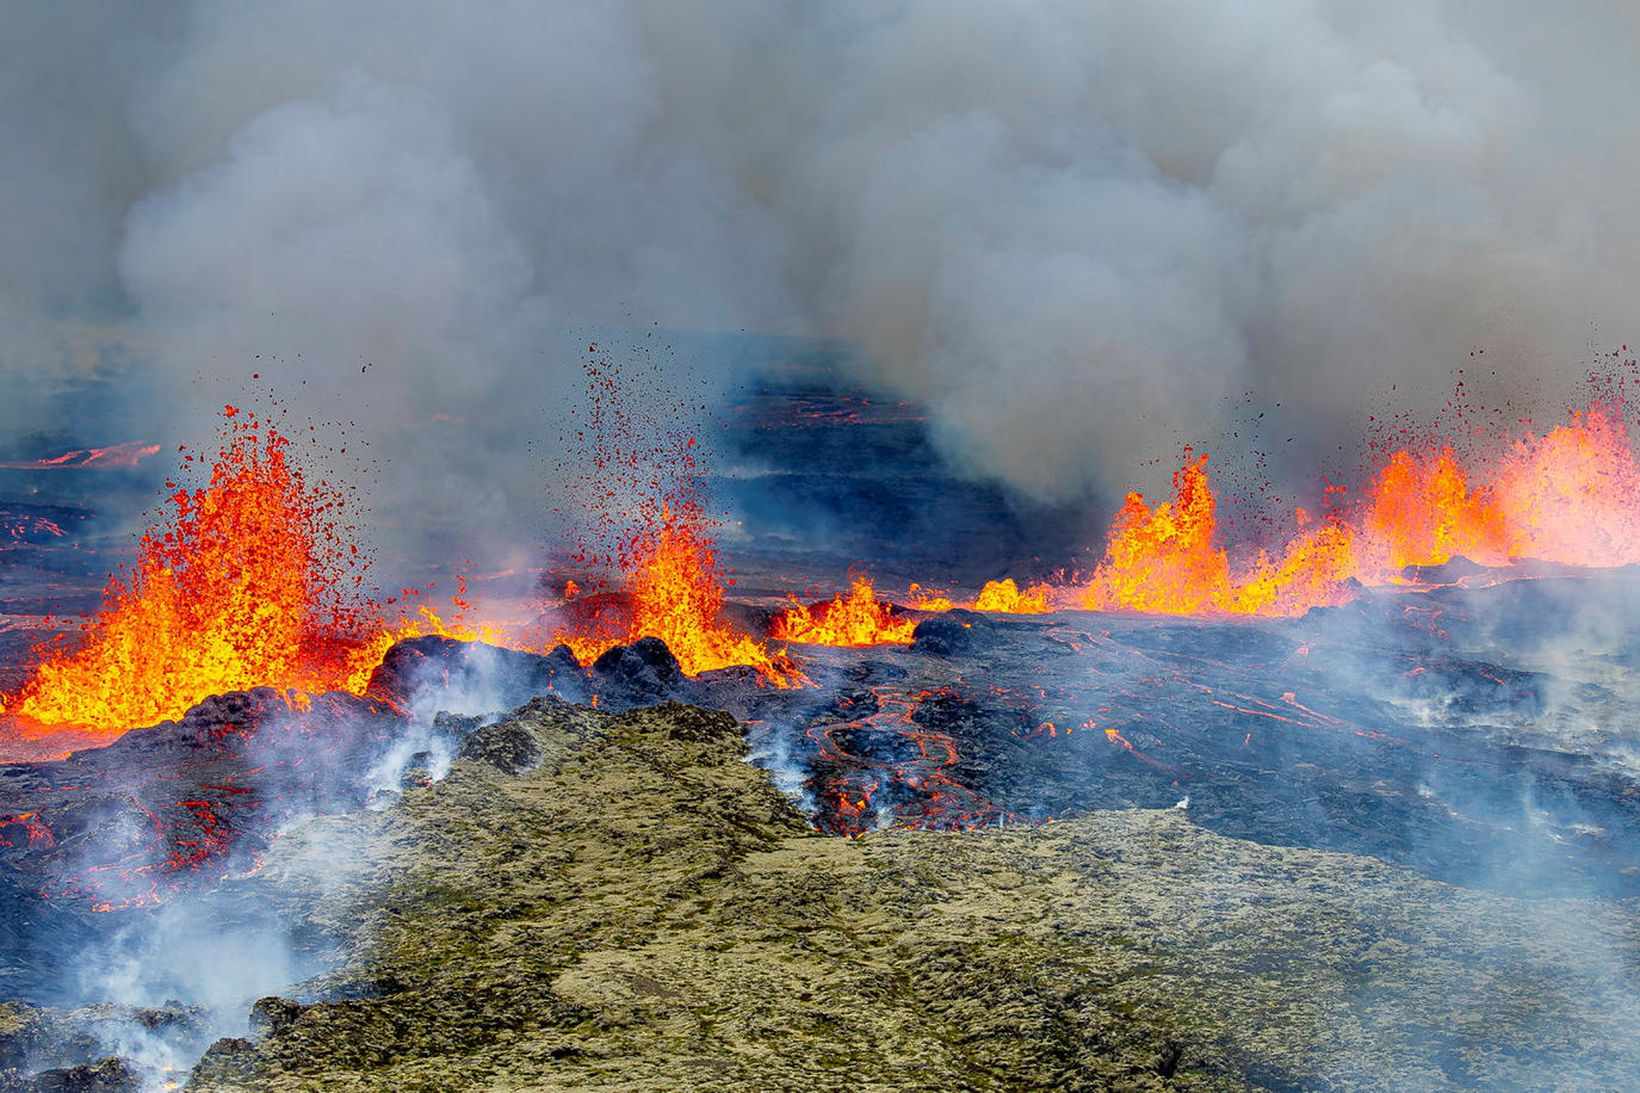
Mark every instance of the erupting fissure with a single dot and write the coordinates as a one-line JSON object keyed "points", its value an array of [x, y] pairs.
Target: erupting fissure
{"points": [[855, 617], [250, 580], [673, 592], [1570, 496]]}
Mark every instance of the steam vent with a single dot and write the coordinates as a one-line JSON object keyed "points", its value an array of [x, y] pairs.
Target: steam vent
{"points": [[928, 545]]}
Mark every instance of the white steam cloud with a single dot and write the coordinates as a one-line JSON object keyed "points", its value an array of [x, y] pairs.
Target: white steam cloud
{"points": [[1078, 230]]}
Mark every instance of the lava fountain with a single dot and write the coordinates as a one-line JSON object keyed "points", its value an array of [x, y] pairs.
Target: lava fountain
{"points": [[673, 591], [1570, 496], [853, 618], [247, 581], [641, 481]]}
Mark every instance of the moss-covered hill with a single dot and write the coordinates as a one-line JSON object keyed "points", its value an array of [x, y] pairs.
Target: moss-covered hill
{"points": [[620, 902]]}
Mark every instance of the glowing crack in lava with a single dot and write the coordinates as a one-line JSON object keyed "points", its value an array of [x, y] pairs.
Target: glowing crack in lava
{"points": [[855, 617], [247, 582], [1571, 496], [122, 456]]}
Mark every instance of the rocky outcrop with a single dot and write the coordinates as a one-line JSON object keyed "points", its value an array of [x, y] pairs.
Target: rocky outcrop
{"points": [[43, 1048], [639, 909]]}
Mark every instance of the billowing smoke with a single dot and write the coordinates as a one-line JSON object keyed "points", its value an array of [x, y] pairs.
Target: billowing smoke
{"points": [[1080, 231]]}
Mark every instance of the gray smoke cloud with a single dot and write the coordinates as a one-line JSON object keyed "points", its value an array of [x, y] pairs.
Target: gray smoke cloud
{"points": [[1079, 231]]}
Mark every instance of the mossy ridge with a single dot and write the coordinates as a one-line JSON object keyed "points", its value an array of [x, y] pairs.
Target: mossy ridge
{"points": [[643, 910]]}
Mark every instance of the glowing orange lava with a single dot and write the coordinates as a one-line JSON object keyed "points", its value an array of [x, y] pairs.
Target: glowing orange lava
{"points": [[241, 586], [1005, 596], [1571, 496], [645, 516], [674, 593], [1165, 559], [856, 617], [927, 599]]}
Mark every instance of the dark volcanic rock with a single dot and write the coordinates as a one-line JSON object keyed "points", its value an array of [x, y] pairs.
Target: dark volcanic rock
{"points": [[645, 671], [228, 1062], [1448, 572], [111, 1075], [508, 677], [44, 1048], [697, 726], [509, 747], [952, 633], [270, 1015], [1396, 726], [642, 911]]}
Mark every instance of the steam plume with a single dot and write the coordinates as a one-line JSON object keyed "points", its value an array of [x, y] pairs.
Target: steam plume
{"points": [[1076, 230]]}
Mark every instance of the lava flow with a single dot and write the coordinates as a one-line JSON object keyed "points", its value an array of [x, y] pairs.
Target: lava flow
{"points": [[122, 456], [1571, 496], [244, 584]]}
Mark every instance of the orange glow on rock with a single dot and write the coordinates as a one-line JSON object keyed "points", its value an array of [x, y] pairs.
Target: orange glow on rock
{"points": [[425, 623]]}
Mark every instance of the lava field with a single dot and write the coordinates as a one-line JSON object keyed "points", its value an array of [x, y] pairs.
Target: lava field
{"points": [[1395, 727]]}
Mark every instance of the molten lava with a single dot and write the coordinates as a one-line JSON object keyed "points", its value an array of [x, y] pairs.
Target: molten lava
{"points": [[927, 599], [641, 481], [122, 456], [855, 617], [1571, 496], [1166, 560], [241, 586], [1005, 596]]}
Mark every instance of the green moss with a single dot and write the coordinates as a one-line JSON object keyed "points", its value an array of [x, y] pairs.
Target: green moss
{"points": [[669, 922]]}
